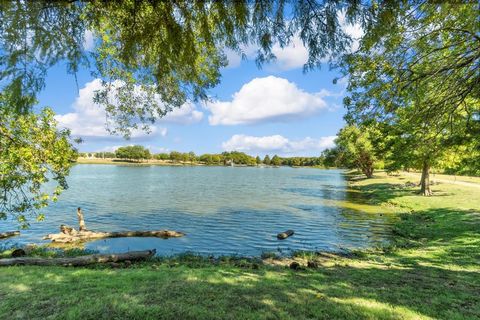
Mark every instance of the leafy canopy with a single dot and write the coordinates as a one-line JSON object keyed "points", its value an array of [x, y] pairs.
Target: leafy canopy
{"points": [[32, 152]]}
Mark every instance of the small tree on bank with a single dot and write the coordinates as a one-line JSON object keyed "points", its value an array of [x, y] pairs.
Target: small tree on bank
{"points": [[266, 160], [133, 153], [357, 148], [276, 161]]}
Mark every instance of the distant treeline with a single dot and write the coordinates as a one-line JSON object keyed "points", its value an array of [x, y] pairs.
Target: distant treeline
{"points": [[140, 153]]}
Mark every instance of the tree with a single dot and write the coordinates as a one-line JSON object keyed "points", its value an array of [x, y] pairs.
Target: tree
{"points": [[175, 156], [258, 160], [276, 161], [419, 81], [133, 153], [266, 160], [192, 157], [409, 144], [357, 148], [32, 152], [162, 156], [334, 157], [420, 44]]}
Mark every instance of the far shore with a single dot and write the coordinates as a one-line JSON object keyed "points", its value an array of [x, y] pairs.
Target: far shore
{"points": [[155, 162]]}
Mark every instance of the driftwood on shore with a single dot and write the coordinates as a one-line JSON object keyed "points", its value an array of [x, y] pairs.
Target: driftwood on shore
{"points": [[8, 234], [70, 235], [285, 234], [79, 261]]}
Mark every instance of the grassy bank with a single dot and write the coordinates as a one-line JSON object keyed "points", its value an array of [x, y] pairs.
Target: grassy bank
{"points": [[431, 270]]}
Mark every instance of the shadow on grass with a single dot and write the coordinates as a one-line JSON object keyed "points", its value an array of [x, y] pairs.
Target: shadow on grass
{"points": [[161, 292], [451, 236]]}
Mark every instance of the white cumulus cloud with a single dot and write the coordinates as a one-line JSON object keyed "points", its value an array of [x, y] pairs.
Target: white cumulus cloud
{"points": [[88, 40], [186, 114], [89, 119], [278, 144], [292, 56], [266, 99]]}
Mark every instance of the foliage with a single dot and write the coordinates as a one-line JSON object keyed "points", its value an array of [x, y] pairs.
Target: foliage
{"points": [[211, 159], [302, 161], [267, 160], [32, 152], [431, 47], [276, 161], [176, 156], [162, 156], [418, 83], [357, 148], [133, 153], [238, 158]]}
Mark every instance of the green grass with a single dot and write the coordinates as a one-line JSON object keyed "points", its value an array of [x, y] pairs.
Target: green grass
{"points": [[430, 270]]}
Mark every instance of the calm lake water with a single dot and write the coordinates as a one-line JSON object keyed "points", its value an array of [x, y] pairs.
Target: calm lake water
{"points": [[222, 210]]}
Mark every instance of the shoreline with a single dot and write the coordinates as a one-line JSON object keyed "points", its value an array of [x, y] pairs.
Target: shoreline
{"points": [[170, 163]]}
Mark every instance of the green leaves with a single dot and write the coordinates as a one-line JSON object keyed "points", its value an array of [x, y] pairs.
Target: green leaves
{"points": [[133, 153], [356, 148], [35, 159]]}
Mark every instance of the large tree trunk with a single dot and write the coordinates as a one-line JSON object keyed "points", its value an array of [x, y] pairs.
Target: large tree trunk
{"points": [[79, 261], [8, 234], [425, 179], [70, 235], [368, 171]]}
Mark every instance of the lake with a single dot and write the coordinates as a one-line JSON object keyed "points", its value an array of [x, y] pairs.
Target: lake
{"points": [[222, 210]]}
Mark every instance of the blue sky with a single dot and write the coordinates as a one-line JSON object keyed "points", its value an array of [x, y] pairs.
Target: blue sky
{"points": [[274, 110]]}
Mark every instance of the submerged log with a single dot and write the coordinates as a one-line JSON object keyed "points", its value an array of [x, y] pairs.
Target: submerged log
{"points": [[4, 235], [81, 260], [285, 235], [69, 235]]}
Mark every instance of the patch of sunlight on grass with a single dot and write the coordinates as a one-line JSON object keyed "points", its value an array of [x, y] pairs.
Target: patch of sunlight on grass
{"points": [[54, 277], [383, 264], [363, 207], [19, 287], [268, 302], [380, 309], [226, 277]]}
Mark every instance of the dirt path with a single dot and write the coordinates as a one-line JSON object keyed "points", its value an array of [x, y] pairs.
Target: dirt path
{"points": [[438, 179]]}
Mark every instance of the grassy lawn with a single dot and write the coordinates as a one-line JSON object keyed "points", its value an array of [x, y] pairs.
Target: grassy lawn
{"points": [[431, 270]]}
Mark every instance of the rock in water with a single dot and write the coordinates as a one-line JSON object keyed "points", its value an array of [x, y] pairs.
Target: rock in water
{"points": [[285, 235]]}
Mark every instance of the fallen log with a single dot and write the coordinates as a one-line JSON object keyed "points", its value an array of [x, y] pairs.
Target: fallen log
{"points": [[79, 261], [285, 235], [4, 235], [70, 235]]}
